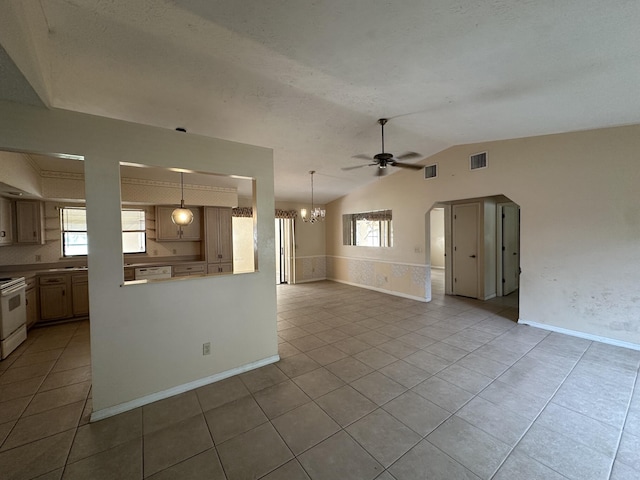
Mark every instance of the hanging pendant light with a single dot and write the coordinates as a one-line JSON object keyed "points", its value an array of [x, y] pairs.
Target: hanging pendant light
{"points": [[316, 214], [182, 216]]}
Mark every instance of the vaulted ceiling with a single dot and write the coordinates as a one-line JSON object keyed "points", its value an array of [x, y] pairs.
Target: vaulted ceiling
{"points": [[309, 78]]}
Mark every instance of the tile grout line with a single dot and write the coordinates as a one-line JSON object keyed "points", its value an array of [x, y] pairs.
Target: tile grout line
{"points": [[213, 442], [626, 415], [381, 407], [538, 416], [33, 397]]}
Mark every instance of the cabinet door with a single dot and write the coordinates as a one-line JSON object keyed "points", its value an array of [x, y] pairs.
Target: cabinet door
{"points": [[219, 268], [226, 268], [29, 221], [192, 232], [211, 234], [225, 236], [6, 223], [80, 296], [54, 304], [166, 230], [31, 302]]}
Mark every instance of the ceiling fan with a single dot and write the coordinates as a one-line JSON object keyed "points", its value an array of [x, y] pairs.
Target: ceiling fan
{"points": [[383, 160]]}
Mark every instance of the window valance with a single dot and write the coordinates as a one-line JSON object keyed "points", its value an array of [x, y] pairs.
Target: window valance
{"points": [[248, 212]]}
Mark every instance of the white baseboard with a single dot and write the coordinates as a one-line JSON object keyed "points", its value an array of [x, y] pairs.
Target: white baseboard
{"points": [[185, 387], [309, 280], [382, 290], [576, 333]]}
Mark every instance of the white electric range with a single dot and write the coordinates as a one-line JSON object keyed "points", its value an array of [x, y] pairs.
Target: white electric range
{"points": [[13, 315]]}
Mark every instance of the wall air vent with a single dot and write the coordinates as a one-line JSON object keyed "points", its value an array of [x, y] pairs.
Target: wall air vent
{"points": [[431, 171], [478, 160]]}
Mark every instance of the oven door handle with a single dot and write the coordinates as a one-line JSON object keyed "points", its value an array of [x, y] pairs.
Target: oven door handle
{"points": [[14, 289]]}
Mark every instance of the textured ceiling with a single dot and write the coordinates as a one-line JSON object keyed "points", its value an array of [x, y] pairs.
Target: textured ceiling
{"points": [[13, 86], [310, 78]]}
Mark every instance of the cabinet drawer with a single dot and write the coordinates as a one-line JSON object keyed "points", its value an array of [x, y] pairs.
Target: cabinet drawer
{"points": [[53, 280], [80, 278], [129, 274], [31, 282], [181, 270]]}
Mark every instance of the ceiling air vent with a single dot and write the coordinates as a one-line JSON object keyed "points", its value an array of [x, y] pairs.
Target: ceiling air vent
{"points": [[431, 171], [478, 160]]}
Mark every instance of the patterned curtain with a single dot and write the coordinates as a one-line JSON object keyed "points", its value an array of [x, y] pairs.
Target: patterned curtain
{"points": [[242, 212], [248, 212], [286, 213], [380, 215]]}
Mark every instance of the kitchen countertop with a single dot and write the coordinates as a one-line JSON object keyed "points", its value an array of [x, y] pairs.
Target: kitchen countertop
{"points": [[29, 271]]}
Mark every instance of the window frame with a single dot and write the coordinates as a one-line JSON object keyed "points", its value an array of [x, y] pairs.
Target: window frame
{"points": [[64, 231], [379, 221]]}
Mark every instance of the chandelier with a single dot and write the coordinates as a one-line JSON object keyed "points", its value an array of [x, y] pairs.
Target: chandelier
{"points": [[316, 214]]}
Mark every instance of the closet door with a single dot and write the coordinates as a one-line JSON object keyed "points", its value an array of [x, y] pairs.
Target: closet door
{"points": [[465, 249]]}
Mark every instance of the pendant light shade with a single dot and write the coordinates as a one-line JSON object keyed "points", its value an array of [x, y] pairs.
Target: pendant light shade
{"points": [[182, 216]]}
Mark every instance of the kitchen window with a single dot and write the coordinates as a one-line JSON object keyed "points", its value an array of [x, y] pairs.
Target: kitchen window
{"points": [[73, 222]]}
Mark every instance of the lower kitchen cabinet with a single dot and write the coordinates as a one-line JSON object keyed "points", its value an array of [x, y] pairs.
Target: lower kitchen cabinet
{"points": [[55, 298], [193, 269], [31, 301], [63, 296], [80, 295], [219, 268]]}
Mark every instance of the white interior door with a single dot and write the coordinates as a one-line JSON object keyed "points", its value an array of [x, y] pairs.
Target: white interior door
{"points": [[510, 248], [465, 249]]}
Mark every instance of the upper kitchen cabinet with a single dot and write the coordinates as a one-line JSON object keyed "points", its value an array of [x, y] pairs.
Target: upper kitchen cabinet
{"points": [[219, 240], [167, 231], [30, 221], [6, 223]]}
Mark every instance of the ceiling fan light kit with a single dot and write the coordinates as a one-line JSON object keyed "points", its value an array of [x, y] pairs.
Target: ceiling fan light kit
{"points": [[316, 214], [384, 159]]}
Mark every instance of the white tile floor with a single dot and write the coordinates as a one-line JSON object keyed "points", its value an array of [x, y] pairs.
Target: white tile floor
{"points": [[369, 386]]}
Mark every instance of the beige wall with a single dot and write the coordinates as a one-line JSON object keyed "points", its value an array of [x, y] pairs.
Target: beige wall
{"points": [[148, 338], [580, 225]]}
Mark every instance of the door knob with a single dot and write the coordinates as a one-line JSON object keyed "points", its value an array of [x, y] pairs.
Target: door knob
{"points": [[472, 256]]}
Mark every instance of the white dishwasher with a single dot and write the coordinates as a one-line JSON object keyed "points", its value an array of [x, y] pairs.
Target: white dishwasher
{"points": [[153, 273]]}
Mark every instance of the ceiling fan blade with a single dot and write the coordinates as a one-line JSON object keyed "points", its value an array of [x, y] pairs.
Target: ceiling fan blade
{"points": [[363, 156], [357, 166], [408, 156], [411, 166]]}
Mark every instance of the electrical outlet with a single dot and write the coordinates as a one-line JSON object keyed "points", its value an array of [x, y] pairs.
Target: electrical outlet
{"points": [[38, 258], [175, 251], [206, 348], [155, 252]]}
